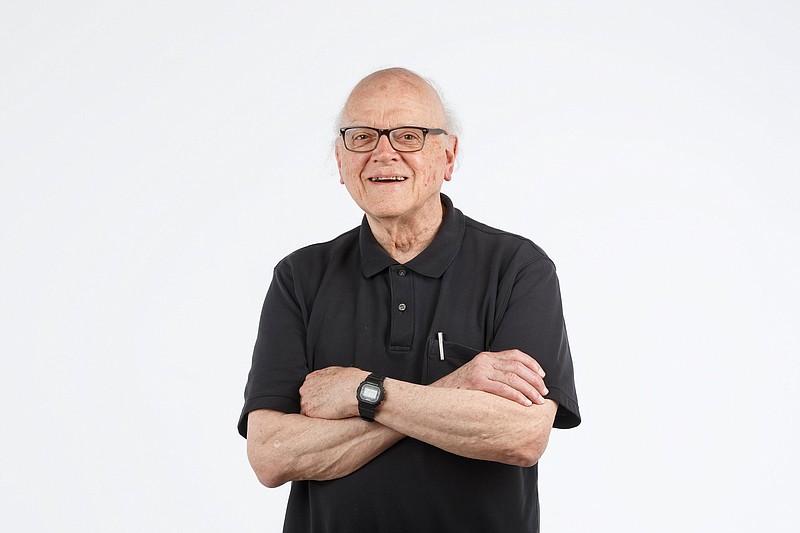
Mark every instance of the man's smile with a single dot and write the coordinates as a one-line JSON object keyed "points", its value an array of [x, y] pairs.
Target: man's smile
{"points": [[387, 179]]}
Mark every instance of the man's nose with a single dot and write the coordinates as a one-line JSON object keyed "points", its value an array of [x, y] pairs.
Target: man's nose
{"points": [[384, 149]]}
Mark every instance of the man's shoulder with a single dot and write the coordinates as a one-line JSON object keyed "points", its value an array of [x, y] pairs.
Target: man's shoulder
{"points": [[320, 254], [500, 240]]}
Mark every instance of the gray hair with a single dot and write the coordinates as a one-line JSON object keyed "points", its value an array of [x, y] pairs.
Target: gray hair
{"points": [[451, 122]]}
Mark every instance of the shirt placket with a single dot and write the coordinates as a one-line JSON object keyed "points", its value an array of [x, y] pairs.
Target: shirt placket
{"points": [[401, 282]]}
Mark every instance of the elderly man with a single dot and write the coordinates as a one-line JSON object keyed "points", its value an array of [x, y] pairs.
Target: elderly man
{"points": [[407, 373]]}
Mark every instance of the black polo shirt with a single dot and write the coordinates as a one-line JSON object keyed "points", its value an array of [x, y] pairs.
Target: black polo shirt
{"points": [[348, 303]]}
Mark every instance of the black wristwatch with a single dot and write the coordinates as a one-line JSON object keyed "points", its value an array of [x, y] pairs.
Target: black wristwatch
{"points": [[370, 395]]}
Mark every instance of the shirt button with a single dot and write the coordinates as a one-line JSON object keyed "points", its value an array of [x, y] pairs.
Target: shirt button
{"points": [[401, 272], [401, 307]]}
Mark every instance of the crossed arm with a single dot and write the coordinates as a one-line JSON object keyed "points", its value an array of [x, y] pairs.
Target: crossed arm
{"points": [[492, 408]]}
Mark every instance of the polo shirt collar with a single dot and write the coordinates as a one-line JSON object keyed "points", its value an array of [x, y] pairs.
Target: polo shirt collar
{"points": [[433, 260]]}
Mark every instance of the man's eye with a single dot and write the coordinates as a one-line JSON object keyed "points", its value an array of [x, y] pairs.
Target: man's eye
{"points": [[362, 138], [407, 136]]}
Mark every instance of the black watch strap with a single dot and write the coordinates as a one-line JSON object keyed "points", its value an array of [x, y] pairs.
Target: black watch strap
{"points": [[375, 379]]}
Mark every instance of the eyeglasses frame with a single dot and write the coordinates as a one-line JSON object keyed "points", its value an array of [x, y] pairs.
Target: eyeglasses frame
{"points": [[382, 132]]}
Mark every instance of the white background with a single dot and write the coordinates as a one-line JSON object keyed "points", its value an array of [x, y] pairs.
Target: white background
{"points": [[158, 158]]}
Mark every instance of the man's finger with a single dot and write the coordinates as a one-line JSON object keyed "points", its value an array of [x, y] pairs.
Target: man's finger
{"points": [[505, 391], [522, 357], [525, 374], [513, 381]]}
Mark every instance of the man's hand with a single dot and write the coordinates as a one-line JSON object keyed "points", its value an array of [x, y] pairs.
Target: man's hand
{"points": [[510, 374], [331, 392]]}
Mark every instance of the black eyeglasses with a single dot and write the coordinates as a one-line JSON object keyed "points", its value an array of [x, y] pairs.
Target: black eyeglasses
{"points": [[402, 139]]}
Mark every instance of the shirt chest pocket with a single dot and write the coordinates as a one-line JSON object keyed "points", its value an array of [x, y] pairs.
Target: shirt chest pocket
{"points": [[438, 365]]}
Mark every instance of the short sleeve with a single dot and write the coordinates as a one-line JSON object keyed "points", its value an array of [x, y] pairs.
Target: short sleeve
{"points": [[279, 363], [533, 322]]}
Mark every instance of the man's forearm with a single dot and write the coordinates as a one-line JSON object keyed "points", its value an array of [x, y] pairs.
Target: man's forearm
{"points": [[492, 408], [288, 447], [470, 423]]}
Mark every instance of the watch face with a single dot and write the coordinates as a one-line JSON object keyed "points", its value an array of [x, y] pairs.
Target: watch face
{"points": [[369, 393]]}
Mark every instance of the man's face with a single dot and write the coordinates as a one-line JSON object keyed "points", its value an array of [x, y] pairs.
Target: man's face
{"points": [[389, 103]]}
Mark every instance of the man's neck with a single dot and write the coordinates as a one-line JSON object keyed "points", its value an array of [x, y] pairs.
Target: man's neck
{"points": [[404, 239]]}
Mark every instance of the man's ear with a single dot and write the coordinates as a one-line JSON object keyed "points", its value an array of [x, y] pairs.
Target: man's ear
{"points": [[338, 163], [450, 153]]}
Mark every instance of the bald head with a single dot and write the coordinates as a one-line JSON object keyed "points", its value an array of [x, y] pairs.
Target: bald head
{"points": [[395, 94]]}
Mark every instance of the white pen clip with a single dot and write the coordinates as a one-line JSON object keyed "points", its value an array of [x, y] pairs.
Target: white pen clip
{"points": [[441, 347]]}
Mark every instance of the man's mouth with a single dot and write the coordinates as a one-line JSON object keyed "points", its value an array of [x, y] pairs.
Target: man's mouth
{"points": [[384, 179]]}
